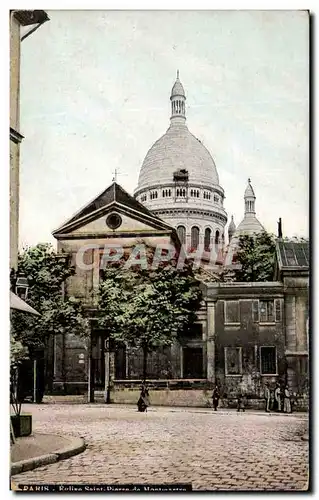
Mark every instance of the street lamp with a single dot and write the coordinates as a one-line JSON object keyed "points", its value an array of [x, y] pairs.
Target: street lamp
{"points": [[107, 385]]}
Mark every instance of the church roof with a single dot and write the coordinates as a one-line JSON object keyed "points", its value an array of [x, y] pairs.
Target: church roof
{"points": [[113, 194], [177, 149], [249, 225]]}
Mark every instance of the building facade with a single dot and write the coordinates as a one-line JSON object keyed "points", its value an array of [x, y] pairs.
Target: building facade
{"points": [[246, 334], [22, 24]]}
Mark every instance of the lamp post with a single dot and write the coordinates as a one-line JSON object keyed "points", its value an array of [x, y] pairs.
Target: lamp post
{"points": [[107, 384]]}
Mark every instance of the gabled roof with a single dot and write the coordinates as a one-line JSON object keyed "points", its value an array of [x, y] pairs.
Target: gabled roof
{"points": [[114, 194], [292, 255]]}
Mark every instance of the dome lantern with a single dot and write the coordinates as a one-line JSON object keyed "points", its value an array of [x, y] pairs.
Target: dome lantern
{"points": [[249, 198], [178, 98]]}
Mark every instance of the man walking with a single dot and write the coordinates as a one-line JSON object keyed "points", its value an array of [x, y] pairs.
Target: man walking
{"points": [[215, 396], [267, 397]]}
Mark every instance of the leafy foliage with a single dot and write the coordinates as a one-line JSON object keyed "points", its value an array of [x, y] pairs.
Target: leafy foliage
{"points": [[46, 272], [256, 255], [148, 308]]}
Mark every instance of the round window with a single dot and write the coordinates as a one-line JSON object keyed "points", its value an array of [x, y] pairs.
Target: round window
{"points": [[113, 221]]}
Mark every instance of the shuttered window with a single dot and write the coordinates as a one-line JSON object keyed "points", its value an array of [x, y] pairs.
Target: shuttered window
{"points": [[233, 361], [232, 314], [266, 311]]}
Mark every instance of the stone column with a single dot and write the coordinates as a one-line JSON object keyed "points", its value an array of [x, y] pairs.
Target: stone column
{"points": [[210, 341]]}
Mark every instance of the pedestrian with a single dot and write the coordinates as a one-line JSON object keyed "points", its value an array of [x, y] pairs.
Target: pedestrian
{"points": [[267, 397], [216, 397], [240, 402], [144, 400], [278, 397], [287, 402]]}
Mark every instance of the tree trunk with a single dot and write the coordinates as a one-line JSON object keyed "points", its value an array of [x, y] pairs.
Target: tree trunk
{"points": [[145, 353]]}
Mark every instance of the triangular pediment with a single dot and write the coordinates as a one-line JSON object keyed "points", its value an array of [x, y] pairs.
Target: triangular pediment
{"points": [[91, 220]]}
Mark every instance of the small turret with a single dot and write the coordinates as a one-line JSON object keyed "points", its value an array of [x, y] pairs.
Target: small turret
{"points": [[178, 99]]}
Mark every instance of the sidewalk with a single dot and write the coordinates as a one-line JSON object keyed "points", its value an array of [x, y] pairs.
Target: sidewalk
{"points": [[30, 452], [77, 400]]}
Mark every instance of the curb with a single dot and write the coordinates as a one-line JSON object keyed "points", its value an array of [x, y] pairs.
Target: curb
{"points": [[77, 446]]}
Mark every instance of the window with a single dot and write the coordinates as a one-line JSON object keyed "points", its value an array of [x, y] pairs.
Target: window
{"points": [[208, 233], [153, 195], [233, 360], [192, 362], [232, 312], [217, 237], [268, 361], [267, 311], [195, 237], [181, 232]]}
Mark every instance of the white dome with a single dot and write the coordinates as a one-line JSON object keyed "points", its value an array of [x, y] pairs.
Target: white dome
{"points": [[175, 150]]}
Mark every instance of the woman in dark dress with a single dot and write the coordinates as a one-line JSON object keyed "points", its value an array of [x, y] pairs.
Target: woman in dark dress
{"points": [[144, 400], [215, 396]]}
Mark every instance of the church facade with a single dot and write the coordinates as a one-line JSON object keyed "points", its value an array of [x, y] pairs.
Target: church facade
{"points": [[240, 338]]}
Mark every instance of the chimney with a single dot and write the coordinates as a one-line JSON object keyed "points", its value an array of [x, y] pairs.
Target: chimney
{"points": [[279, 228]]}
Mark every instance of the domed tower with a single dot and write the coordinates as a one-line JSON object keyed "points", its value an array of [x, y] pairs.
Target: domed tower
{"points": [[250, 225], [179, 182]]}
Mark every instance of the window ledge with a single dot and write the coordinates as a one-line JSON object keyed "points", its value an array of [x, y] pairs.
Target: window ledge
{"points": [[267, 323], [231, 324], [233, 375], [269, 374]]}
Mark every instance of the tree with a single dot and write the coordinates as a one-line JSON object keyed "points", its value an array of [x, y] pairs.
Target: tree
{"points": [[46, 272], [148, 308], [256, 255]]}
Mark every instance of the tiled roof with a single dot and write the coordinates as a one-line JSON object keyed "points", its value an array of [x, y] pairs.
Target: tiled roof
{"points": [[293, 254]]}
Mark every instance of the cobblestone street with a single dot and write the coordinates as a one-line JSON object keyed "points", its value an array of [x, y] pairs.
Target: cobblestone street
{"points": [[212, 451]]}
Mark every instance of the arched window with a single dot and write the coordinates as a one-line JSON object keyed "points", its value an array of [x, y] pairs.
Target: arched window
{"points": [[163, 194], [191, 192], [195, 237], [197, 194], [217, 237], [181, 232], [169, 192], [207, 237], [177, 192], [184, 192]]}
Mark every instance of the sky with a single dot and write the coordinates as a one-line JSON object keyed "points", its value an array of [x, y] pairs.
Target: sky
{"points": [[95, 89]]}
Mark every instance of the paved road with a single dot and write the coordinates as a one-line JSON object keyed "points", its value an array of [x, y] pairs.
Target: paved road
{"points": [[213, 451]]}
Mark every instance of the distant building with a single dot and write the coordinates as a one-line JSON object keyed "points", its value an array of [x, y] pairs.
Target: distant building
{"points": [[250, 225]]}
